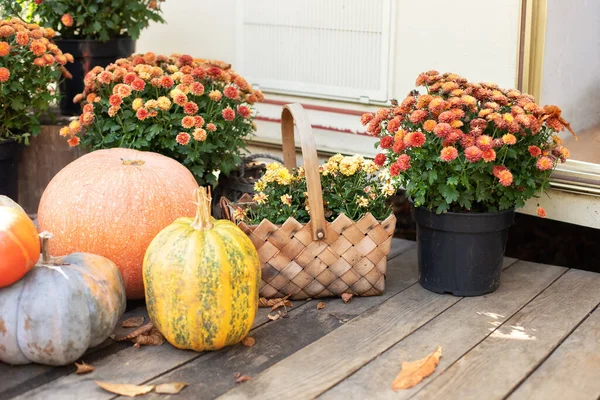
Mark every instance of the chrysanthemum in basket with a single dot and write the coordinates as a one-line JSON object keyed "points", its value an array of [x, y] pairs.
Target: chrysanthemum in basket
{"points": [[30, 63], [351, 185], [194, 111], [468, 154]]}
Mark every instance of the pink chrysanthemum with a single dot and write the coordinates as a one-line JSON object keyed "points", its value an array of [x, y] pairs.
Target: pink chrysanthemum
{"points": [[190, 108], [138, 84], [442, 130], [398, 145], [374, 127], [231, 92], [393, 125], [418, 116], [448, 153], [446, 116], [67, 20], [197, 89], [534, 151], [142, 113], [380, 159], [199, 135], [73, 142], [403, 162], [122, 90], [211, 127], [414, 139], [243, 111], [183, 138], [198, 73], [198, 121], [115, 100], [544, 163], [129, 77], [473, 154], [484, 142], [386, 142], [187, 79], [228, 114], [467, 141]]}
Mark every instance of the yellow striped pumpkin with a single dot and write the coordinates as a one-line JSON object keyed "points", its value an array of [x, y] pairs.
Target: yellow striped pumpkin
{"points": [[202, 278]]}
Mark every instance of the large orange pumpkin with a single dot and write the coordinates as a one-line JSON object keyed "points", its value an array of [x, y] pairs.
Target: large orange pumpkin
{"points": [[112, 203], [19, 245]]}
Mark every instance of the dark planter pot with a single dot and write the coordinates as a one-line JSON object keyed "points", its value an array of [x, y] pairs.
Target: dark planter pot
{"points": [[461, 253], [88, 54], [9, 168]]}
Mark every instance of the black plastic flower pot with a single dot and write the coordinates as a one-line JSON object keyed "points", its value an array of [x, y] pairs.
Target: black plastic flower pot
{"points": [[461, 253], [88, 54], [9, 168]]}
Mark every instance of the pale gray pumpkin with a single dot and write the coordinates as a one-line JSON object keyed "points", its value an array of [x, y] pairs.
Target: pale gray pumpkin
{"points": [[62, 307]]}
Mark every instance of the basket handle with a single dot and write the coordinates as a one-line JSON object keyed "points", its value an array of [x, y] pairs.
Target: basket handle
{"points": [[295, 113]]}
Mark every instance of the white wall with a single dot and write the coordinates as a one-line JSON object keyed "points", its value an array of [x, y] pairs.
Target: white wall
{"points": [[571, 78], [477, 39]]}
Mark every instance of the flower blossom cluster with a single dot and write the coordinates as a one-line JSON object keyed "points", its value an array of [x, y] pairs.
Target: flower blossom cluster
{"points": [[351, 185], [460, 146], [181, 107]]}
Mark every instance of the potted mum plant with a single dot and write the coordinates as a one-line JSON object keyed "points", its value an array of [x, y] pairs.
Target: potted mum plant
{"points": [[96, 32], [468, 155], [193, 111], [29, 63]]}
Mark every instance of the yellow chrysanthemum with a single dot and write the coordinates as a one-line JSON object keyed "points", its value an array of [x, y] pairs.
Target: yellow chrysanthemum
{"points": [[349, 165], [370, 167], [286, 199], [259, 186], [260, 198], [151, 104], [362, 201], [164, 103], [137, 104]]}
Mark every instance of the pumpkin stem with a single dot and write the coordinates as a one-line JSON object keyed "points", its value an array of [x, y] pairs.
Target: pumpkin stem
{"points": [[45, 239], [202, 220]]}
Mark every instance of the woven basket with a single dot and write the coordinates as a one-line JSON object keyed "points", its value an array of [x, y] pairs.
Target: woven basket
{"points": [[317, 259]]}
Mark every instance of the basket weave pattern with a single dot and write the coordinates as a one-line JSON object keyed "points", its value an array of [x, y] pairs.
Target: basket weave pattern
{"points": [[351, 259]]}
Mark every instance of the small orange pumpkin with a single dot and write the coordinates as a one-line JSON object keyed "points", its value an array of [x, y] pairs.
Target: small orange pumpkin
{"points": [[112, 203], [19, 245]]}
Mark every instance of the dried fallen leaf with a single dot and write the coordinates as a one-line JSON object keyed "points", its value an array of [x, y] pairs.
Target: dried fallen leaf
{"points": [[132, 322], [147, 335], [275, 303], [83, 368], [414, 372], [320, 305], [140, 331], [170, 388], [125, 389], [243, 378], [346, 297], [237, 375], [248, 341]]}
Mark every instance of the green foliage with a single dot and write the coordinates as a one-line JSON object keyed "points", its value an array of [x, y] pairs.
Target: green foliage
{"points": [[92, 19]]}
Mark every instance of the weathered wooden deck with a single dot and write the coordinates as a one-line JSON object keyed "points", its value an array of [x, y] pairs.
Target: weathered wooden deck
{"points": [[537, 337]]}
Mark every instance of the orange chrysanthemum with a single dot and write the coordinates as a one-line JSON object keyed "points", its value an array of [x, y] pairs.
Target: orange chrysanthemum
{"points": [[448, 153], [190, 108], [243, 111], [541, 212], [87, 118], [39, 61], [115, 100], [67, 20], [138, 84], [386, 142], [197, 89], [187, 122], [183, 138], [198, 121], [211, 127], [22, 38], [73, 142], [509, 139], [393, 124], [74, 127], [199, 135], [4, 49], [141, 113], [505, 177], [442, 130], [484, 142], [534, 151], [544, 163], [366, 118], [403, 162], [4, 74], [6, 31], [429, 125], [488, 155], [231, 92], [414, 139]]}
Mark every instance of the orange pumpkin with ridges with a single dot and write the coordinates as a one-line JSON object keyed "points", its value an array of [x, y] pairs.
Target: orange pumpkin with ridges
{"points": [[19, 245], [112, 203]]}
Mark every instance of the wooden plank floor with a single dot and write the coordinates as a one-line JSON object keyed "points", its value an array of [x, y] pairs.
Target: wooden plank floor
{"points": [[537, 337]]}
